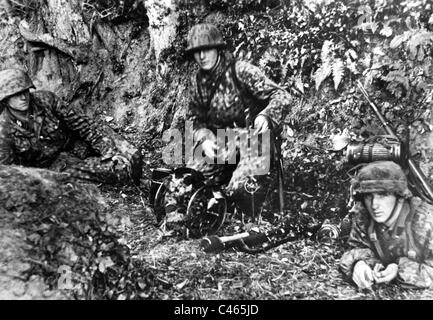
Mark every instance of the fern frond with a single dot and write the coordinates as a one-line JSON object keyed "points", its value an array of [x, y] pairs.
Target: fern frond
{"points": [[299, 84], [322, 73], [327, 53], [337, 72], [327, 57]]}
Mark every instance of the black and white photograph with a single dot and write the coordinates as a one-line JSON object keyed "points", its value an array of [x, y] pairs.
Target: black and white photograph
{"points": [[216, 154]]}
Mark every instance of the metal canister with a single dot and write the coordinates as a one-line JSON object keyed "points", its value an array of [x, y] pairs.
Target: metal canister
{"points": [[369, 152]]}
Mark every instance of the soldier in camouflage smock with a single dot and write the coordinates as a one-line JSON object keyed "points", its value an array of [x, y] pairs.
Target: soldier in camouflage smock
{"points": [[37, 129], [391, 236], [226, 93]]}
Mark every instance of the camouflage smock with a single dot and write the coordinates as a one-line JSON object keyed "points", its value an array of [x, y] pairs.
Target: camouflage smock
{"points": [[50, 130], [220, 99], [415, 262]]}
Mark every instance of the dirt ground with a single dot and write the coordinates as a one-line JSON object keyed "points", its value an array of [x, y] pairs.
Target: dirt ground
{"points": [[159, 265], [302, 269]]}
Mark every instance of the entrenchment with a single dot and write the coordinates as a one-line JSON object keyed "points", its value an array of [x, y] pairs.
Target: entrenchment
{"points": [[56, 242]]}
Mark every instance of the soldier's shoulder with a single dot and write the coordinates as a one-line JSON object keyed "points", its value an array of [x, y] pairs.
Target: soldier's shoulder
{"points": [[43, 93], [421, 207], [422, 219], [4, 125], [2, 117], [244, 68], [44, 97]]}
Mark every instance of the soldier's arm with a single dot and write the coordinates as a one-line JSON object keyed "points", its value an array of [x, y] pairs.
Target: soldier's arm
{"points": [[419, 273], [414, 274], [277, 100], [353, 256], [79, 124], [360, 245], [6, 150]]}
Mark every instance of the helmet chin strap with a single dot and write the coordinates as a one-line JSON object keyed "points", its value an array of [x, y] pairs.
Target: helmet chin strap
{"points": [[395, 212], [217, 62]]}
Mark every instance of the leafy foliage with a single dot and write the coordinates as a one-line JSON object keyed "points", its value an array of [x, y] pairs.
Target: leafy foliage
{"points": [[117, 11], [317, 50], [330, 66], [20, 8]]}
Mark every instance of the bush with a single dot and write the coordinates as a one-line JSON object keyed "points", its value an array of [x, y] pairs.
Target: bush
{"points": [[317, 50]]}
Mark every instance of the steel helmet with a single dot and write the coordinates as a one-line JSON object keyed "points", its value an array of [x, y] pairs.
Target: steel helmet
{"points": [[381, 176], [204, 36], [13, 81]]}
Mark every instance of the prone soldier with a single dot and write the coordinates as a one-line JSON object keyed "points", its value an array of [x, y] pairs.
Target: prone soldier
{"points": [[391, 235], [38, 129]]}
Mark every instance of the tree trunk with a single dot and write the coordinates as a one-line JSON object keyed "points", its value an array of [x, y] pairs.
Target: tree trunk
{"points": [[163, 21]]}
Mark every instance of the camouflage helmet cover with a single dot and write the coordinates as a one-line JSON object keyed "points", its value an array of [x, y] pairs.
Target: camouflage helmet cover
{"points": [[204, 36], [379, 177], [13, 81]]}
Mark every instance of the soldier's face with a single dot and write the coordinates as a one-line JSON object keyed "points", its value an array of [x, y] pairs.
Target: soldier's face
{"points": [[380, 205], [206, 58], [19, 101]]}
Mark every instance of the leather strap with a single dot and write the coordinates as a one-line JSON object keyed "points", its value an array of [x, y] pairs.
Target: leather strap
{"points": [[373, 238], [238, 85]]}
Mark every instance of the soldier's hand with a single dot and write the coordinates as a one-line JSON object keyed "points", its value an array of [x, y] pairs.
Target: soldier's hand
{"points": [[261, 124], [107, 155], [363, 275], [385, 275]]}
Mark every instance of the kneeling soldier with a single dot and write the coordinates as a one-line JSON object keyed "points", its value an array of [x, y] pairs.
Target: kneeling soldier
{"points": [[228, 94]]}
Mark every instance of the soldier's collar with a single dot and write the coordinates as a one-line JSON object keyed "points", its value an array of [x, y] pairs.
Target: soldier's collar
{"points": [[217, 63]]}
